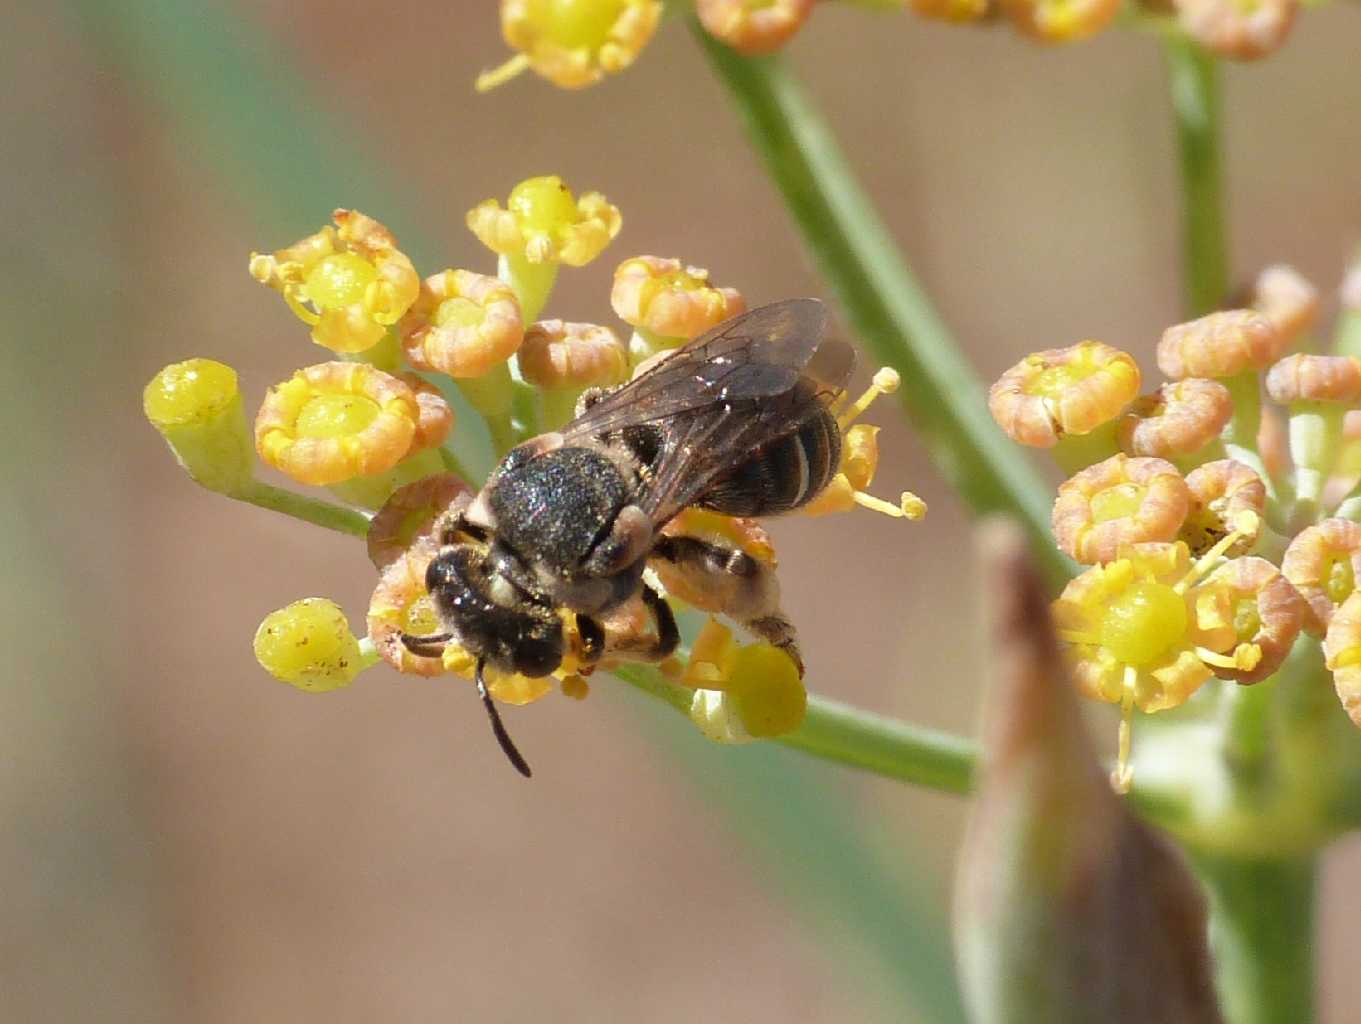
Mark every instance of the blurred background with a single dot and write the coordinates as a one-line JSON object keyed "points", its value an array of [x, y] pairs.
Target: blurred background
{"points": [[186, 839]]}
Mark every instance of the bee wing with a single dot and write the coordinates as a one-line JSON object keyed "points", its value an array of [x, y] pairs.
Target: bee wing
{"points": [[759, 354], [751, 380]]}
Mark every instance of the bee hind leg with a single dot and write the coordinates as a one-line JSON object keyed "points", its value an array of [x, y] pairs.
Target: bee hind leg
{"points": [[722, 578]]}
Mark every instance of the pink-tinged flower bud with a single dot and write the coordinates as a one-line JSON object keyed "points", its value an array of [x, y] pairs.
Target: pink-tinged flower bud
{"points": [[1286, 298], [1239, 29], [1342, 655], [1267, 613], [1062, 391], [1220, 492], [462, 324], [1323, 562], [670, 299], [1309, 378], [413, 513], [1119, 502], [557, 355], [1219, 345], [753, 29], [1178, 419], [401, 604], [1060, 21], [350, 282], [335, 421], [434, 415]]}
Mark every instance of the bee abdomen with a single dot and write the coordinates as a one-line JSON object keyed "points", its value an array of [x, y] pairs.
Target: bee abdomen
{"points": [[780, 476]]}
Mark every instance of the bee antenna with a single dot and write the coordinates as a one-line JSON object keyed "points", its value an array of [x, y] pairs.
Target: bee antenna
{"points": [[498, 727]]}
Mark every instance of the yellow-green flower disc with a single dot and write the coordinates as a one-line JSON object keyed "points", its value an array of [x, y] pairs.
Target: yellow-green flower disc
{"points": [[767, 691], [309, 645]]}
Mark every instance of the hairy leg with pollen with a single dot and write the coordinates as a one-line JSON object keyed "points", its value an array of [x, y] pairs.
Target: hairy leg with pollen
{"points": [[721, 578]]}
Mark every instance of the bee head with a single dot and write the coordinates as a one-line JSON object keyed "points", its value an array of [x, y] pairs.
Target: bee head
{"points": [[490, 616]]}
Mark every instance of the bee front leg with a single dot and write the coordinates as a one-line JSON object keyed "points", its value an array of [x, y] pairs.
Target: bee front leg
{"points": [[716, 577]]}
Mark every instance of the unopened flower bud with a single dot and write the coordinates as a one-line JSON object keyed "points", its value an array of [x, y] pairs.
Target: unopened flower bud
{"points": [[196, 405], [1178, 419], [309, 645], [1238, 29], [753, 29], [1288, 300], [1219, 345]]}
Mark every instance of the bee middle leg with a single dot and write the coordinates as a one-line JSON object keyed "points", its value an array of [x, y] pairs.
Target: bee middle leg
{"points": [[722, 578]]}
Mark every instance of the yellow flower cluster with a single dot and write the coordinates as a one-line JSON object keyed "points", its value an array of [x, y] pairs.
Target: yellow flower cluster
{"points": [[577, 43], [1215, 530], [371, 424]]}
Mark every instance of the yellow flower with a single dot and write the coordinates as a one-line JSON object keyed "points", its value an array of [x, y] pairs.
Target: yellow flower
{"points": [[1342, 654], [543, 223], [1178, 419], [413, 513], [753, 28], [1240, 29], [669, 299], [860, 460], [1220, 491], [1144, 633], [350, 283], [1061, 21], [196, 405], [336, 421], [309, 645], [742, 693], [1323, 562], [573, 43], [462, 324], [1063, 391], [1219, 345], [1119, 502]]}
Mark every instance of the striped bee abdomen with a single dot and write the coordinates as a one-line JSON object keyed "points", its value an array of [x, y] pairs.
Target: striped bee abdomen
{"points": [[782, 475]]}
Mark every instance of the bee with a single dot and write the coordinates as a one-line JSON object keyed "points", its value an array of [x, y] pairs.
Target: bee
{"points": [[737, 421]]}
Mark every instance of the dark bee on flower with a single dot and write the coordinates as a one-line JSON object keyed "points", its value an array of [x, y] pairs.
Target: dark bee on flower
{"points": [[737, 422]]}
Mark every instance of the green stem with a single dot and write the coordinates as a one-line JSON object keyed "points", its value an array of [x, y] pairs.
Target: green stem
{"points": [[881, 298], [837, 732], [1193, 78], [308, 509], [1262, 938]]}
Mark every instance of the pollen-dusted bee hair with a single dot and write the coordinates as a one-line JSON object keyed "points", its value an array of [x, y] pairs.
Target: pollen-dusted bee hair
{"points": [[737, 422]]}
